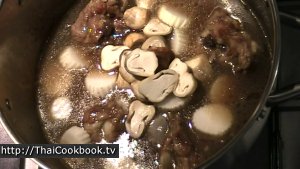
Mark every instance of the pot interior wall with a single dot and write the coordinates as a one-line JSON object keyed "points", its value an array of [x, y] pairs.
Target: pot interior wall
{"points": [[23, 30]]}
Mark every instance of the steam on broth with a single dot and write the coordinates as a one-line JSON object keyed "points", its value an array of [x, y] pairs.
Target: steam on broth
{"points": [[170, 81]]}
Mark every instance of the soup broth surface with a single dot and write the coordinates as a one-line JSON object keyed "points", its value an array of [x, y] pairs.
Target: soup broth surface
{"points": [[171, 139]]}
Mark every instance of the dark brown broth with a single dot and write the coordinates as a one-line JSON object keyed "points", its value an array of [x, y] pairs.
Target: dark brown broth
{"points": [[250, 86]]}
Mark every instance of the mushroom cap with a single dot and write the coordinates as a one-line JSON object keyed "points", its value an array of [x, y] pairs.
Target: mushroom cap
{"points": [[141, 63], [110, 56], [213, 119], [157, 87]]}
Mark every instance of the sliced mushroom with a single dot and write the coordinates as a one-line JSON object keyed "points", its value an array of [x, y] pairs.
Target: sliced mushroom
{"points": [[213, 119], [201, 67], [135, 90], [141, 63], [75, 135], [122, 83], [110, 56], [122, 69], [139, 116], [157, 87], [178, 66], [136, 17], [154, 41], [173, 103], [186, 85], [61, 108], [99, 83], [223, 90], [155, 27], [147, 4], [133, 38]]}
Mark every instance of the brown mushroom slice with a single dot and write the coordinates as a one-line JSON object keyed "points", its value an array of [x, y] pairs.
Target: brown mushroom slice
{"points": [[147, 4], [154, 42], [223, 90], [99, 83], [178, 66], [122, 69], [72, 58], [136, 17], [135, 90], [157, 87], [201, 67], [133, 38], [156, 27], [139, 116], [173, 103], [141, 63], [186, 85], [75, 135], [213, 119], [110, 56]]}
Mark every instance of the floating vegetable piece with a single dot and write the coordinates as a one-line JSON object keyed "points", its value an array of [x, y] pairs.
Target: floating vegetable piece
{"points": [[186, 85], [154, 42], [157, 87], [61, 108], [75, 135], [133, 38], [213, 119], [139, 116], [110, 56], [201, 67], [141, 63], [72, 58], [136, 17], [172, 17], [99, 83], [156, 27]]}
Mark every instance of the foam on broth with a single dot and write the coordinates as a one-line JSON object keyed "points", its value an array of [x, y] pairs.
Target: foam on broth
{"points": [[140, 153]]}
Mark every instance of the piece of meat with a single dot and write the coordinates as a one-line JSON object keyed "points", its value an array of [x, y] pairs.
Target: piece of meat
{"points": [[96, 20], [226, 41]]}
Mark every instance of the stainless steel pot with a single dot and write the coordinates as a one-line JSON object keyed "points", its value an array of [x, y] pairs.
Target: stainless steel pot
{"points": [[25, 26]]}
